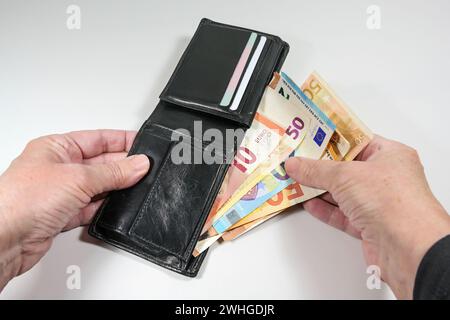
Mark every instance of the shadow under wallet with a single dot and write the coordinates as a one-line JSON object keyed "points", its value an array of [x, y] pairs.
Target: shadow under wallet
{"points": [[218, 83]]}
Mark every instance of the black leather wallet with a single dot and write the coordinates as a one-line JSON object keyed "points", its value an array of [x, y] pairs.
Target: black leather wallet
{"points": [[161, 217]]}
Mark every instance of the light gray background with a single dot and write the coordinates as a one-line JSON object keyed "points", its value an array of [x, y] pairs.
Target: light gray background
{"points": [[109, 75]]}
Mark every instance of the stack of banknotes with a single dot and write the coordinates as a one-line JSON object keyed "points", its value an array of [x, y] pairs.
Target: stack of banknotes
{"points": [[308, 121]]}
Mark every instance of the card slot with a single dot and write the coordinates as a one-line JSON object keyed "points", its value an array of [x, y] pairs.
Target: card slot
{"points": [[206, 66], [239, 70], [250, 72], [170, 133], [253, 79], [206, 69], [196, 125]]}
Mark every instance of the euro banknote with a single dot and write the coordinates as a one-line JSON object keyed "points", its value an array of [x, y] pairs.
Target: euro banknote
{"points": [[240, 230], [348, 125], [265, 189], [299, 121], [349, 140], [291, 195], [270, 123], [308, 120], [312, 147], [282, 114], [265, 181]]}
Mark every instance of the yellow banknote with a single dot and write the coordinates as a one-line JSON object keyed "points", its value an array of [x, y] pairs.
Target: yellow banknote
{"points": [[356, 133], [238, 231]]}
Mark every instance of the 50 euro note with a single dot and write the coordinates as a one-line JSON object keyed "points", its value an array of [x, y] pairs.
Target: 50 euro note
{"points": [[348, 129], [270, 178], [268, 127], [348, 125]]}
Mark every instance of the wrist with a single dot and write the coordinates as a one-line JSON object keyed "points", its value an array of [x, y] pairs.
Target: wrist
{"points": [[408, 242], [10, 248]]}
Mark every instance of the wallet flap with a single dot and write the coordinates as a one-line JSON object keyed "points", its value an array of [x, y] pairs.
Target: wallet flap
{"points": [[222, 69]]}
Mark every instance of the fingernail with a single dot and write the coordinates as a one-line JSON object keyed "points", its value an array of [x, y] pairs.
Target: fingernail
{"points": [[140, 162]]}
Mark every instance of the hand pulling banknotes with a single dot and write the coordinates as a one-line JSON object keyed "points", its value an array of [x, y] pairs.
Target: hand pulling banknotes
{"points": [[311, 122]]}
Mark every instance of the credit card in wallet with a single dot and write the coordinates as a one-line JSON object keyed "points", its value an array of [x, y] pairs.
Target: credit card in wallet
{"points": [[240, 78]]}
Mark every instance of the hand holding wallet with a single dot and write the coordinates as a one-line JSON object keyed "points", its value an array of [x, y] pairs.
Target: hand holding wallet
{"points": [[219, 81]]}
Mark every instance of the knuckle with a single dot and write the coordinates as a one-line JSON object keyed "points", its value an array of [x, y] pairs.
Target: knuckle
{"points": [[36, 142], [83, 179], [82, 175], [116, 173], [341, 175], [309, 171], [41, 142], [75, 180], [84, 190], [405, 149], [412, 155], [347, 174]]}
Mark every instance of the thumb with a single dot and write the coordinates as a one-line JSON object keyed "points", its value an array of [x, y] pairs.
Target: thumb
{"points": [[117, 174], [313, 173]]}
